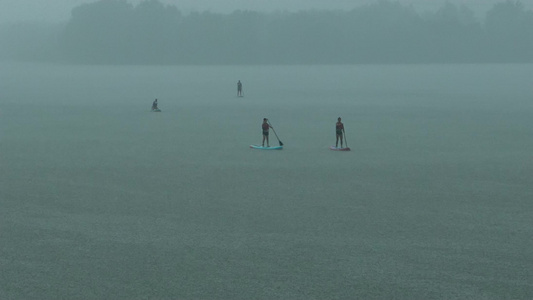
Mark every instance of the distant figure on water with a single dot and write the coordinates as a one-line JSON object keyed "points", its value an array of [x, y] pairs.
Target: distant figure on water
{"points": [[154, 105], [239, 89], [339, 129], [265, 126]]}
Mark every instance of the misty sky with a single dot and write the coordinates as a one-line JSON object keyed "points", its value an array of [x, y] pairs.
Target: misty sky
{"points": [[59, 10]]}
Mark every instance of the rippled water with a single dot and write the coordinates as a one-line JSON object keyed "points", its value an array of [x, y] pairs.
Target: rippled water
{"points": [[100, 198]]}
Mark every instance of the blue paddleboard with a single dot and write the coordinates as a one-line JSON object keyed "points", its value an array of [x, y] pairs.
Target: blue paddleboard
{"points": [[266, 148]]}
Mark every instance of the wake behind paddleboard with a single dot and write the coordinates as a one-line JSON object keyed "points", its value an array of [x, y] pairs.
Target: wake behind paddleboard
{"points": [[266, 148], [339, 149]]}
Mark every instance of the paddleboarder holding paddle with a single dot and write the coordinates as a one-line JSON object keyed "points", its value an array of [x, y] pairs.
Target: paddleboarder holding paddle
{"points": [[265, 126], [339, 129]]}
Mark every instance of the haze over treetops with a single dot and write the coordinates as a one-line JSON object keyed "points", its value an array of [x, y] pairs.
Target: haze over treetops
{"points": [[117, 32]]}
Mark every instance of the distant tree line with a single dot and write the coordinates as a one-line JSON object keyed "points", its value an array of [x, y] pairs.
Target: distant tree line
{"points": [[116, 32]]}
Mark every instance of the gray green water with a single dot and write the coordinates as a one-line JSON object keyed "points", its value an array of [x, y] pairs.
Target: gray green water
{"points": [[99, 198]]}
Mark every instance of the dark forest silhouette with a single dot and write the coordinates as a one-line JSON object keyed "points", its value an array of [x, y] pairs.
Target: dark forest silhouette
{"points": [[116, 32]]}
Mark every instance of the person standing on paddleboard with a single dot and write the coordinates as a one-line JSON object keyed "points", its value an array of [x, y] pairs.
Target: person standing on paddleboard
{"points": [[339, 129], [239, 89], [154, 105], [265, 126]]}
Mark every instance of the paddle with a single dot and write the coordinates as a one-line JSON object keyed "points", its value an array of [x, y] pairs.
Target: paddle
{"points": [[345, 140], [280, 143]]}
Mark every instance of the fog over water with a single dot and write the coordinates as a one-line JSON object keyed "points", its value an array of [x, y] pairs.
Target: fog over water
{"points": [[100, 198]]}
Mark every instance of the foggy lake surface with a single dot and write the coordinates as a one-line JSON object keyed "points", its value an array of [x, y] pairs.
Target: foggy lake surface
{"points": [[100, 198]]}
